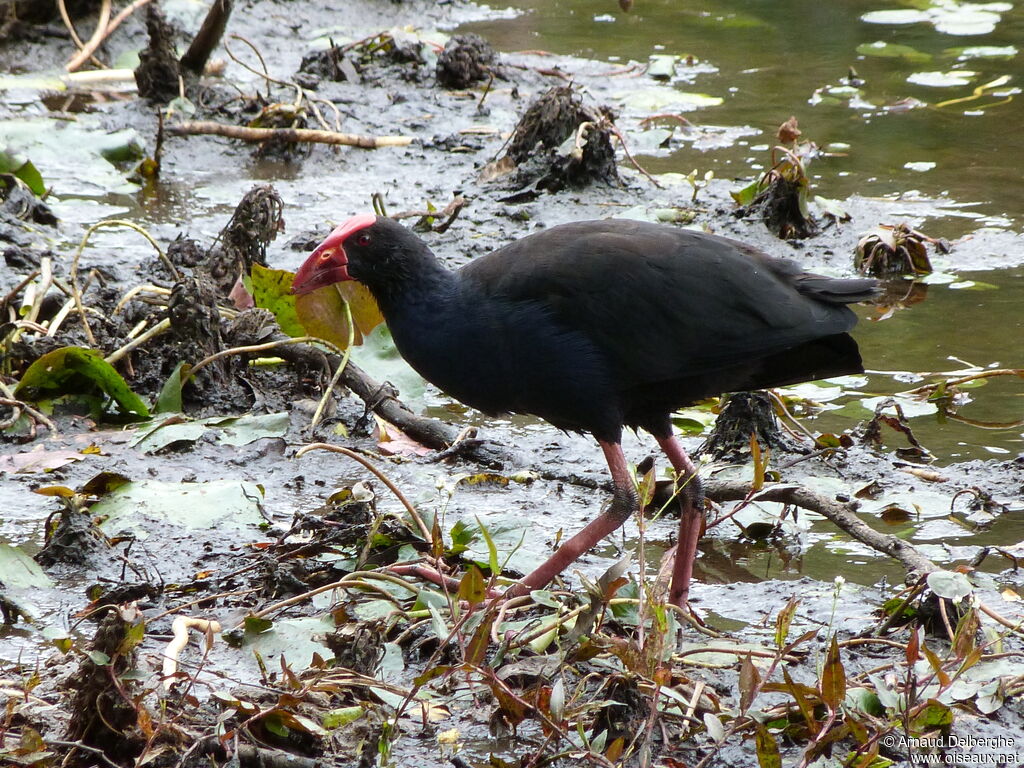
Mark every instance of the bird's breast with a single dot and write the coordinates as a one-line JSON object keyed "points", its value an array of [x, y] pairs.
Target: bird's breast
{"points": [[502, 357]]}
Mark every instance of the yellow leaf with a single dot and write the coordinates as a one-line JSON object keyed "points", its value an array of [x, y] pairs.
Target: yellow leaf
{"points": [[322, 313]]}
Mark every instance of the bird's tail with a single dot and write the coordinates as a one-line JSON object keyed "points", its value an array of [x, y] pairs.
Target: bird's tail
{"points": [[834, 290]]}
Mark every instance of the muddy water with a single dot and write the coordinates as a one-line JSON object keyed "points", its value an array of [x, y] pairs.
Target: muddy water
{"points": [[768, 61]]}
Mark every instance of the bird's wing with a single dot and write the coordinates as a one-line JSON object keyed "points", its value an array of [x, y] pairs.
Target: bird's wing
{"points": [[663, 302]]}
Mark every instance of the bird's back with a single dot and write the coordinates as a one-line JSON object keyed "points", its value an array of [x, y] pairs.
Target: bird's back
{"points": [[665, 304]]}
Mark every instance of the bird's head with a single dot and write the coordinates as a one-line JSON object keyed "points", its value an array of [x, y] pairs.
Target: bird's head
{"points": [[332, 260], [373, 250]]}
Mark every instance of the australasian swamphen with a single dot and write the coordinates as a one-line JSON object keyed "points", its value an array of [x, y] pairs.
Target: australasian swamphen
{"points": [[598, 325]]}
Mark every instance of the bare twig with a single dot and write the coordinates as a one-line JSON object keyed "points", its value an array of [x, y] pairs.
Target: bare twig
{"points": [[156, 330], [19, 405], [293, 135], [424, 531], [928, 389], [97, 34], [96, 40], [258, 348], [622, 140], [341, 366]]}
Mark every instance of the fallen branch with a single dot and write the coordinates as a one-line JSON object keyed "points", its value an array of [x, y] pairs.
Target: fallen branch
{"points": [[929, 389], [840, 513], [294, 135]]}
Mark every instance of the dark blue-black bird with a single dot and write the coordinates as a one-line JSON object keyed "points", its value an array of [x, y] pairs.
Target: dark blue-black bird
{"points": [[597, 325]]}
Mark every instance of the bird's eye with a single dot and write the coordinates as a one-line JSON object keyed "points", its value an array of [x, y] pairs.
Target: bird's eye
{"points": [[363, 239]]}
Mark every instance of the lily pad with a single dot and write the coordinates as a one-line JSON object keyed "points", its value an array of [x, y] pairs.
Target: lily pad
{"points": [[885, 50], [235, 431], [251, 427], [19, 571], [221, 505], [983, 52], [167, 432], [22, 168], [661, 99], [76, 156], [950, 585], [294, 639], [662, 66], [380, 358], [952, 79]]}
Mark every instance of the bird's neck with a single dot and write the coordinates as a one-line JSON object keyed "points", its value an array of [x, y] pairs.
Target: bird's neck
{"points": [[419, 282]]}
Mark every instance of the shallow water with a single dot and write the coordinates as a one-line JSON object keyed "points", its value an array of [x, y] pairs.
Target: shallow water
{"points": [[767, 61]]}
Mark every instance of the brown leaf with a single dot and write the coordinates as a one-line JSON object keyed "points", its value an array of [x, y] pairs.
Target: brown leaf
{"points": [[913, 652], [750, 680], [833, 678], [804, 700], [783, 620], [476, 649], [788, 131]]}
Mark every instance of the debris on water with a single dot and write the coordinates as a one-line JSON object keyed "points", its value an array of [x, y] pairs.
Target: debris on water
{"points": [[890, 250], [780, 196], [243, 242], [560, 141]]}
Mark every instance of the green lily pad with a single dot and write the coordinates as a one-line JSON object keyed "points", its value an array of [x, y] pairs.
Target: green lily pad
{"points": [[251, 427], [885, 50], [952, 79], [157, 437], [294, 639], [662, 66], [75, 156], [661, 99], [76, 370], [982, 52], [950, 585], [240, 430], [380, 358]]}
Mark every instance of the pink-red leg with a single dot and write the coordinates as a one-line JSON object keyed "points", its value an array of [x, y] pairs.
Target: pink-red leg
{"points": [[624, 503], [689, 522]]}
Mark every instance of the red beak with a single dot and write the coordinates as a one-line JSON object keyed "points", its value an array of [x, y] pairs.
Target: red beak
{"points": [[328, 264], [325, 266]]}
